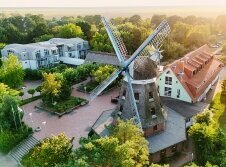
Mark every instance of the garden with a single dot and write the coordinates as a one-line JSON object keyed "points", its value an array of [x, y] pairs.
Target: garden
{"points": [[97, 77]]}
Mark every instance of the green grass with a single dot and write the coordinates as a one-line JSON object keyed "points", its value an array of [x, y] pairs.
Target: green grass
{"points": [[29, 100], [64, 105]]}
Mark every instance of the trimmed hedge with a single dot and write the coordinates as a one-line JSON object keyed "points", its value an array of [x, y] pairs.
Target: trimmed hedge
{"points": [[29, 100]]}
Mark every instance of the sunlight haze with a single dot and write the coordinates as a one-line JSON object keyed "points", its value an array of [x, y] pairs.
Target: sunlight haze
{"points": [[109, 3]]}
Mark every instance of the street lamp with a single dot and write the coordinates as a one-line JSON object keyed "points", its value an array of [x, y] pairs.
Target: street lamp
{"points": [[44, 123], [85, 92], [30, 114]]}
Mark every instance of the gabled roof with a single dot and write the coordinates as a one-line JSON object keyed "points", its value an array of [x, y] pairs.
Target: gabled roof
{"points": [[102, 58], [198, 68]]}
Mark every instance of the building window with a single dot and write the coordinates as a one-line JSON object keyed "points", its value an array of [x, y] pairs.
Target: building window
{"points": [[54, 52], [70, 54], [168, 91], [155, 127], [178, 93], [136, 96], [163, 153], [46, 52], [174, 148], [168, 80], [79, 47], [188, 120]]}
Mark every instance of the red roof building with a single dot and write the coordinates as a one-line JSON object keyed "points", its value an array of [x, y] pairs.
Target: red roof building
{"points": [[191, 77]]}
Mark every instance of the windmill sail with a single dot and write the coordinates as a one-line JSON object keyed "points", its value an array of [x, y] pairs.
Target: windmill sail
{"points": [[116, 40], [104, 84]]}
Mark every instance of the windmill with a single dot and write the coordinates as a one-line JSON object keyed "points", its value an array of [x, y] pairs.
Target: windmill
{"points": [[127, 63]]}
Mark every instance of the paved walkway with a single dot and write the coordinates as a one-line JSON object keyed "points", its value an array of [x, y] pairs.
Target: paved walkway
{"points": [[75, 124], [7, 161], [30, 85]]}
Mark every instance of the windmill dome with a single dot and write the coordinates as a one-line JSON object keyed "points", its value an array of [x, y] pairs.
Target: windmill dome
{"points": [[144, 68]]}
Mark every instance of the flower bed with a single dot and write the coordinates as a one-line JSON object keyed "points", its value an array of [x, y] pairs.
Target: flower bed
{"points": [[64, 106]]}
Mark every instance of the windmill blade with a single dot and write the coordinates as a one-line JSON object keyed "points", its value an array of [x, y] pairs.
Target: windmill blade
{"points": [[104, 84], [154, 40], [133, 101], [116, 40]]}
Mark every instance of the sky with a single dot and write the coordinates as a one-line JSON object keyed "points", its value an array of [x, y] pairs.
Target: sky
{"points": [[109, 3]]}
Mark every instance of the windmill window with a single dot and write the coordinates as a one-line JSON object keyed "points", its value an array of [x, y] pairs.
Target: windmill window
{"points": [[168, 80], [136, 96], [124, 93], [168, 72], [152, 111], [121, 108], [150, 95], [155, 127]]}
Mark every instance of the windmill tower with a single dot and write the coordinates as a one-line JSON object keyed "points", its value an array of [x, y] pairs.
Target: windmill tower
{"points": [[139, 97]]}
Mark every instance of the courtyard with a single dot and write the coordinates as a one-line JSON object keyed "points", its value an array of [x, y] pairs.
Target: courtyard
{"points": [[75, 124]]}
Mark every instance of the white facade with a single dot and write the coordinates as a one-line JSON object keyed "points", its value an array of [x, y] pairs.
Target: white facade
{"points": [[170, 86], [43, 54]]}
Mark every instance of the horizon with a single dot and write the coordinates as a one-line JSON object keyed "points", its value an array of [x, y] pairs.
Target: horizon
{"points": [[109, 3]]}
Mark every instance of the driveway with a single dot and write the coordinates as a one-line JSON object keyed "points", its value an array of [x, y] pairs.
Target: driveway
{"points": [[7, 161], [75, 124]]}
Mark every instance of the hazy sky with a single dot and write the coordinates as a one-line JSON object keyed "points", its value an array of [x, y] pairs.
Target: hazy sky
{"points": [[109, 3]]}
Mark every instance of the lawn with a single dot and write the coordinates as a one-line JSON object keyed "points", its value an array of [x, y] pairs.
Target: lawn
{"points": [[64, 105]]}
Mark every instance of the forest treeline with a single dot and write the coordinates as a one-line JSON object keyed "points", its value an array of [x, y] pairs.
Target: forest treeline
{"points": [[186, 33]]}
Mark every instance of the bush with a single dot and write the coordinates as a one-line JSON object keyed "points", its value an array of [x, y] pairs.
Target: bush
{"points": [[32, 74], [29, 100], [49, 153], [9, 139], [31, 92]]}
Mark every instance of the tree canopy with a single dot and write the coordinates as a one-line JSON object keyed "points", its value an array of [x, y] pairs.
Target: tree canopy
{"points": [[11, 72]]}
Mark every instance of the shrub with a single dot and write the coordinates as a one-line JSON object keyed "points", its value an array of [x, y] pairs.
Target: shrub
{"points": [[31, 92], [9, 139], [32, 74], [49, 153]]}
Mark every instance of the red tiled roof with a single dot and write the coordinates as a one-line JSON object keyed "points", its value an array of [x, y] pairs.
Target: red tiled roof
{"points": [[196, 84]]}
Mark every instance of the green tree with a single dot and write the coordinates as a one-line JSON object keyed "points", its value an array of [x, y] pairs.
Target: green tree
{"points": [[31, 92], [50, 152], [103, 72], [44, 37], [11, 72], [6, 90], [21, 94], [70, 31], [101, 42], [50, 87], [10, 116], [113, 151]]}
